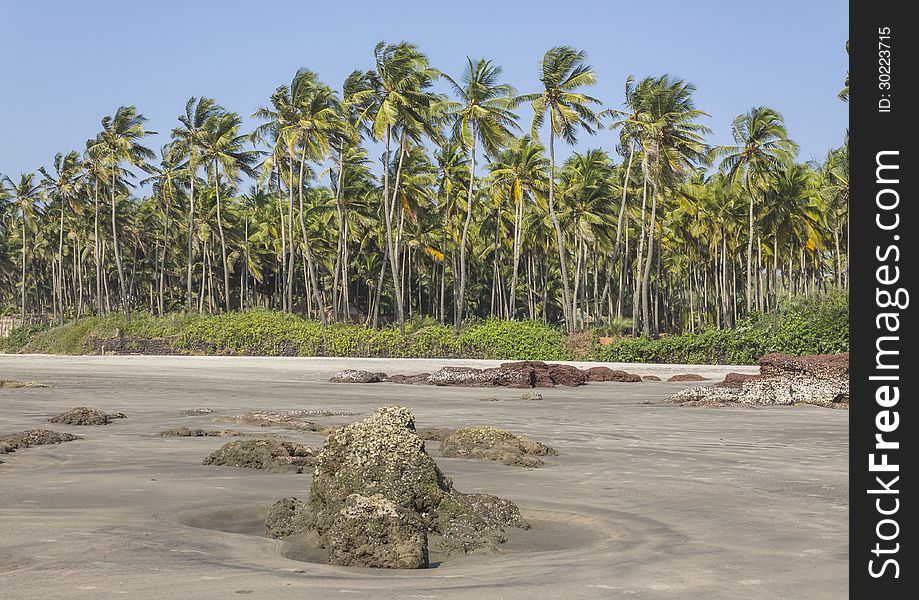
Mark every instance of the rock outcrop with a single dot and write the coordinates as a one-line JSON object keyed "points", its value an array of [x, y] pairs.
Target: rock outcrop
{"points": [[278, 456], [519, 374], [495, 444], [607, 374], [822, 380], [286, 517], [687, 377], [197, 432], [377, 496], [33, 437], [357, 376], [84, 415]]}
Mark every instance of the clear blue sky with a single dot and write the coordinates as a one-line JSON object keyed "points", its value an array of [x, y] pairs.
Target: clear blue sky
{"points": [[66, 64]]}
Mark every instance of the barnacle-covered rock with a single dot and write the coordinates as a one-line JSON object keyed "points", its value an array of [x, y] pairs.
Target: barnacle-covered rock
{"points": [[377, 495], [357, 376], [279, 456], [374, 531], [286, 517], [33, 437], [84, 415], [822, 380], [197, 432], [495, 444]]}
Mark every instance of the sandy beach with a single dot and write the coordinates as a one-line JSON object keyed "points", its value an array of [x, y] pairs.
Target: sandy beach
{"points": [[644, 501]]}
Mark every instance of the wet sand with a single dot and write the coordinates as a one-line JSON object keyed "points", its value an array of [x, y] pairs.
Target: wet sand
{"points": [[644, 501]]}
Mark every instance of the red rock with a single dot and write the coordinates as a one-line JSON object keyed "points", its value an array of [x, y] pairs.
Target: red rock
{"points": [[735, 380], [687, 377], [607, 374]]}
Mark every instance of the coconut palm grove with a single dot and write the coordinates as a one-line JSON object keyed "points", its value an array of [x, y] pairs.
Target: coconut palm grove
{"points": [[376, 201]]}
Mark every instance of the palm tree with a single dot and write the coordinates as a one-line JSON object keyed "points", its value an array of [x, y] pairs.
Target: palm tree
{"points": [[484, 115], [673, 146], [520, 171], [223, 147], [562, 72], [117, 143], [762, 147], [168, 179], [188, 139], [398, 98], [63, 186], [24, 195], [844, 92]]}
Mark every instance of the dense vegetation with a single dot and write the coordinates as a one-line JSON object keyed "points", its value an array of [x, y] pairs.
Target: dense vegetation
{"points": [[466, 214], [817, 325]]}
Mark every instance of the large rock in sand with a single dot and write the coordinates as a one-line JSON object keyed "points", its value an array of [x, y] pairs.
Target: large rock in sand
{"points": [[84, 415], [822, 380], [377, 495], [357, 376], [495, 444], [470, 377], [286, 517], [373, 531], [279, 456]]}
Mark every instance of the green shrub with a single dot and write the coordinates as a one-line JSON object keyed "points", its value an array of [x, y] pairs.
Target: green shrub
{"points": [[814, 326], [817, 325]]}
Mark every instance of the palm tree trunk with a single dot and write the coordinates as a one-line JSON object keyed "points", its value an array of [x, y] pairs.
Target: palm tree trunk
{"points": [[60, 262], [460, 303], [518, 224], [560, 240], [223, 241], [191, 241], [22, 298], [646, 275], [308, 251], [97, 251], [118, 265], [750, 252], [388, 216], [162, 274]]}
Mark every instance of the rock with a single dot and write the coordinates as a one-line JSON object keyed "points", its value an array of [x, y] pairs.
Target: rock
{"points": [[651, 378], [377, 494], [357, 376], [418, 379], [540, 371], [83, 415], [380, 455], [286, 517], [470, 377], [607, 374], [489, 399], [687, 377], [567, 375], [186, 432], [822, 366], [531, 396], [33, 437], [736, 380], [279, 456], [16, 384], [433, 433], [476, 522], [373, 531], [197, 411], [822, 380], [289, 419], [495, 444]]}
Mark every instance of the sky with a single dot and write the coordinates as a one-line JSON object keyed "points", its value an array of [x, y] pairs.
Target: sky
{"points": [[64, 65]]}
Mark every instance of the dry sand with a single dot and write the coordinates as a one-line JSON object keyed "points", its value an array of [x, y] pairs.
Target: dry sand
{"points": [[643, 501]]}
